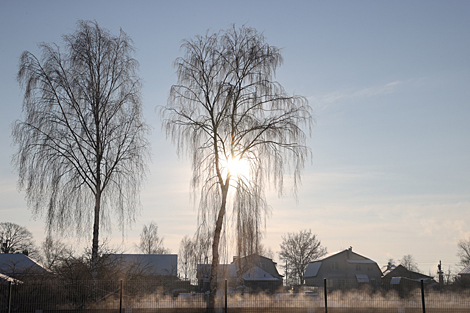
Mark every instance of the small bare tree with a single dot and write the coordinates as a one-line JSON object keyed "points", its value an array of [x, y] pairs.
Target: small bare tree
{"points": [[240, 128], [54, 252], [82, 144], [16, 239], [297, 250], [408, 262], [150, 242], [186, 257], [463, 253]]}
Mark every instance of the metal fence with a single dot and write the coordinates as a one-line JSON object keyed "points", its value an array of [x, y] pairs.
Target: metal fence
{"points": [[147, 296]]}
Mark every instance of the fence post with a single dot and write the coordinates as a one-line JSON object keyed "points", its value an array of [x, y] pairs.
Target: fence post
{"points": [[422, 295], [325, 292], [120, 298], [9, 296], [226, 296]]}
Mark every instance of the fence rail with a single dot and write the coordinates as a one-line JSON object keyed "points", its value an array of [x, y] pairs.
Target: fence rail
{"points": [[152, 296]]}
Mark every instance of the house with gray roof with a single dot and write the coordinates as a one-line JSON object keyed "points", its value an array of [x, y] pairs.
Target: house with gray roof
{"points": [[465, 273], [253, 272], [145, 264], [18, 264], [344, 269]]}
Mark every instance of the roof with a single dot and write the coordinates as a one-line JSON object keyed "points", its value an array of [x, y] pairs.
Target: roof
{"points": [[258, 274], [4, 279], [249, 272], [465, 271], [360, 261], [329, 255], [401, 271], [155, 264], [312, 269], [18, 263]]}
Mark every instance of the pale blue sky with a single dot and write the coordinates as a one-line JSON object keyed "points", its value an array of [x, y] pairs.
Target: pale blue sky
{"points": [[389, 82]]}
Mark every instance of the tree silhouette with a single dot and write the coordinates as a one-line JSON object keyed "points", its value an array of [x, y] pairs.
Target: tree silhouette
{"points": [[82, 144], [227, 109], [299, 249]]}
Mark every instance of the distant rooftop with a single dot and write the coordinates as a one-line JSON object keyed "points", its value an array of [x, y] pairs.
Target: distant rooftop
{"points": [[18, 263]]}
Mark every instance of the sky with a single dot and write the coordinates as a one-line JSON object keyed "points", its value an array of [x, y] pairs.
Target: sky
{"points": [[389, 84]]}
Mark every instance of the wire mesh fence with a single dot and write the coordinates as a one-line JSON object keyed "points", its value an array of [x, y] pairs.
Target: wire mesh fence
{"points": [[145, 296]]}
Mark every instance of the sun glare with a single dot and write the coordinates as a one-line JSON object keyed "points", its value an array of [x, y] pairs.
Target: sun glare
{"points": [[238, 168]]}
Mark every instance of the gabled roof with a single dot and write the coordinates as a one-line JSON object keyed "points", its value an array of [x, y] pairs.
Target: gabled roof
{"points": [[329, 255], [255, 260], [398, 268], [312, 269], [19, 264], [258, 274], [465, 271], [153, 264]]}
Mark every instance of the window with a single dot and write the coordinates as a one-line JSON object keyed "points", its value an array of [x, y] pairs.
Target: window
{"points": [[334, 265], [358, 267]]}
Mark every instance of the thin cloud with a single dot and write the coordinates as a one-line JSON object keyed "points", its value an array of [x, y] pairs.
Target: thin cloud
{"points": [[351, 94]]}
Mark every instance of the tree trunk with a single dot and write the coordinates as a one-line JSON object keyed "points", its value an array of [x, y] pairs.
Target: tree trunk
{"points": [[215, 251], [96, 228]]}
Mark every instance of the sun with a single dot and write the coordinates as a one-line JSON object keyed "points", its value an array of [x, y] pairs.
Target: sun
{"points": [[239, 168]]}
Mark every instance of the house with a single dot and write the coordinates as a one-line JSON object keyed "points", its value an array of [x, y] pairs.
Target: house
{"points": [[145, 264], [254, 272], [392, 272], [465, 274], [18, 264], [224, 272], [403, 280], [344, 269]]}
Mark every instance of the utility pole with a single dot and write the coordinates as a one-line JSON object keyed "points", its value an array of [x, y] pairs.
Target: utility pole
{"points": [[441, 274]]}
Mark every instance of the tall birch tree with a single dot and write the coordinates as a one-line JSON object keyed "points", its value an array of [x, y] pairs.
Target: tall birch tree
{"points": [[82, 143]]}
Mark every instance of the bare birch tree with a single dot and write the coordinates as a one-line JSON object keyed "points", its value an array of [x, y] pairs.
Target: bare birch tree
{"points": [[186, 256], [297, 250], [82, 144], [227, 111], [150, 242]]}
